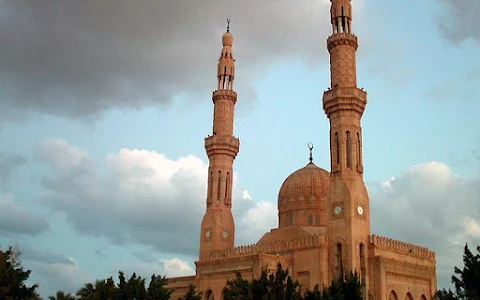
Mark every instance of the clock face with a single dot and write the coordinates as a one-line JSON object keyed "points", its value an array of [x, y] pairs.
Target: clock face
{"points": [[207, 234], [360, 210], [225, 234], [337, 210]]}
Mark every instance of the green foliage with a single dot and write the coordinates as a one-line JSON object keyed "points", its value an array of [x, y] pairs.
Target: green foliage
{"points": [[467, 284], [191, 294], [62, 296], [13, 277], [133, 288], [280, 286]]}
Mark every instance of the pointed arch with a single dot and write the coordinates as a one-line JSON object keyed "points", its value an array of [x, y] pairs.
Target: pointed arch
{"points": [[392, 296], [337, 147], [209, 295], [219, 193], [348, 149], [408, 296], [359, 149]]}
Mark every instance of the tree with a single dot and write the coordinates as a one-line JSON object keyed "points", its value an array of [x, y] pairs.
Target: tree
{"points": [[191, 294], [467, 284], [13, 277], [157, 289], [62, 296], [270, 286]]}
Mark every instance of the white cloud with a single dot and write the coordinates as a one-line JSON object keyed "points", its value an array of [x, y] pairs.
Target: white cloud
{"points": [[430, 205], [141, 196]]}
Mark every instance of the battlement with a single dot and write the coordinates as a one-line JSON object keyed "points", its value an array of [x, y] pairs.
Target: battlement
{"points": [[384, 242], [272, 247]]}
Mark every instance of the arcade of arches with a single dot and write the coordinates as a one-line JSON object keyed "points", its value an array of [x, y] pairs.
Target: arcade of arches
{"points": [[324, 216]]}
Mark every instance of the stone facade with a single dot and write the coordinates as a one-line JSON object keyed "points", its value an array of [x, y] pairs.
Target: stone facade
{"points": [[324, 217]]}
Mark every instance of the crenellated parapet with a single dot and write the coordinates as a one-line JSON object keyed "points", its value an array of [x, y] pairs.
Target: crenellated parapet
{"points": [[271, 247], [399, 246]]}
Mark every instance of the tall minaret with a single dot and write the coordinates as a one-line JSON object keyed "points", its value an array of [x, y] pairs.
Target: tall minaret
{"points": [[218, 227], [344, 104]]}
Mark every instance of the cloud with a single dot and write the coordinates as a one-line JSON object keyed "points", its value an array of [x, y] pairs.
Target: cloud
{"points": [[138, 196], [432, 206], [80, 58], [16, 219], [459, 20], [9, 162]]}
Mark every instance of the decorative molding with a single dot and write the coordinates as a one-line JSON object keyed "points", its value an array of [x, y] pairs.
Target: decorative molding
{"points": [[406, 276], [402, 247], [272, 247]]}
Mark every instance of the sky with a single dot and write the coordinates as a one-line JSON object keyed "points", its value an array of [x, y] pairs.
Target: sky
{"points": [[104, 106]]}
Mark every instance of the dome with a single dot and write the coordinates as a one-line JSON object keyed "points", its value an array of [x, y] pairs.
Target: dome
{"points": [[302, 197], [227, 39]]}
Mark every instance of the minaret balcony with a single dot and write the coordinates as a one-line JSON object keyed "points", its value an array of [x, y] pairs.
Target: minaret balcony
{"points": [[343, 98], [222, 145], [342, 39], [224, 94]]}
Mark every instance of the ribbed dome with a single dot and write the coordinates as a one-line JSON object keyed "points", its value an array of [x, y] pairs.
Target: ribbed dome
{"points": [[302, 197], [227, 39]]}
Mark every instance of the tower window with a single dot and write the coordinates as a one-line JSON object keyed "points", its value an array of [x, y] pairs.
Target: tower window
{"points": [[219, 185], [349, 150], [317, 220], [210, 187], [362, 262], [227, 187], [359, 149], [338, 261], [337, 147], [310, 219]]}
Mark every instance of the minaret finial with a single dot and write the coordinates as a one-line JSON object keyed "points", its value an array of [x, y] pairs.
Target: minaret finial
{"points": [[310, 147], [228, 24]]}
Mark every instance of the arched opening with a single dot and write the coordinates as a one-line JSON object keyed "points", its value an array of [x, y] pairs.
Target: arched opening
{"points": [[227, 189], [423, 297], [362, 262], [317, 220], [349, 150], [219, 193], [337, 147], [310, 219], [408, 296], [209, 295], [339, 261], [359, 149], [392, 296]]}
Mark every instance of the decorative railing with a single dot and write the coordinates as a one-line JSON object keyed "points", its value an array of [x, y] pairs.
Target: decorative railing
{"points": [[271, 247], [400, 246]]}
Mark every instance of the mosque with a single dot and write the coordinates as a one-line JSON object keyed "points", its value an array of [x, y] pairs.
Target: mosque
{"points": [[323, 217]]}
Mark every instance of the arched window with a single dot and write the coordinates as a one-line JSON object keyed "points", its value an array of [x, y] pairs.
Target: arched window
{"points": [[337, 147], [362, 262], [219, 194], [210, 187], [339, 261], [392, 296], [408, 296], [227, 187], [310, 219], [209, 295], [348, 149], [317, 220], [359, 149], [423, 297]]}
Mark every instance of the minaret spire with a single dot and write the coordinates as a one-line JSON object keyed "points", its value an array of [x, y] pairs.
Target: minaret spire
{"points": [[218, 228], [348, 223]]}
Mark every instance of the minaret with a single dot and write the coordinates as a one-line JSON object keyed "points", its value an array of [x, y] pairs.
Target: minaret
{"points": [[344, 104], [218, 228]]}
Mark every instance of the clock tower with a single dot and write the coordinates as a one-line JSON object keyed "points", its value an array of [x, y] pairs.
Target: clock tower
{"points": [[218, 227], [344, 104]]}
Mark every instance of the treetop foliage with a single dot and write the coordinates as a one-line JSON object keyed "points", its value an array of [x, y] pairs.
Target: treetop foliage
{"points": [[466, 280]]}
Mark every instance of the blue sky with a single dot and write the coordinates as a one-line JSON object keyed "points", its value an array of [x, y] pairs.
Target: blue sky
{"points": [[102, 123]]}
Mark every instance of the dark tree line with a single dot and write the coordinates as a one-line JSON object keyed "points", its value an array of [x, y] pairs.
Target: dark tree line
{"points": [[276, 285], [279, 285]]}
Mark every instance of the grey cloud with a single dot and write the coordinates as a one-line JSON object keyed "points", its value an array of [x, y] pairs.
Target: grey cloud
{"points": [[16, 219], [138, 196], [9, 162], [460, 22], [80, 58], [429, 205], [39, 255]]}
